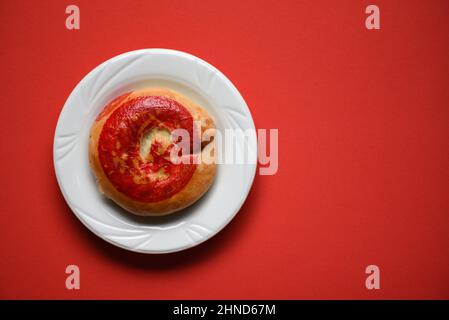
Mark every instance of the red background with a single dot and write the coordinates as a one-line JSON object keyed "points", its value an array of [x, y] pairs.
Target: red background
{"points": [[364, 151]]}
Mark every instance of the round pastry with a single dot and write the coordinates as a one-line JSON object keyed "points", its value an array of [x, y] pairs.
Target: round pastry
{"points": [[132, 146]]}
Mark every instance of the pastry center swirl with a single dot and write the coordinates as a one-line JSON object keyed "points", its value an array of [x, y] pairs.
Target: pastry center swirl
{"points": [[135, 144]]}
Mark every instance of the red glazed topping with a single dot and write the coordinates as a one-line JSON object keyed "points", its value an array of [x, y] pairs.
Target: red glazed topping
{"points": [[154, 177]]}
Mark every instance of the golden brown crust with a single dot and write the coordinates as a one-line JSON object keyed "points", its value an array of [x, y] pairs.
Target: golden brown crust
{"points": [[199, 183]]}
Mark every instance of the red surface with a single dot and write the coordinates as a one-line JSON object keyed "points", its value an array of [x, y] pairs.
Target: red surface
{"points": [[126, 125], [363, 122]]}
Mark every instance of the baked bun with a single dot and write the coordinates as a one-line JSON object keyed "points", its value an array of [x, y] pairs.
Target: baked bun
{"points": [[135, 159]]}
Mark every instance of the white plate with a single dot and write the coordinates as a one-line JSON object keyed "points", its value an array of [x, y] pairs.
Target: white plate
{"points": [[184, 73]]}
